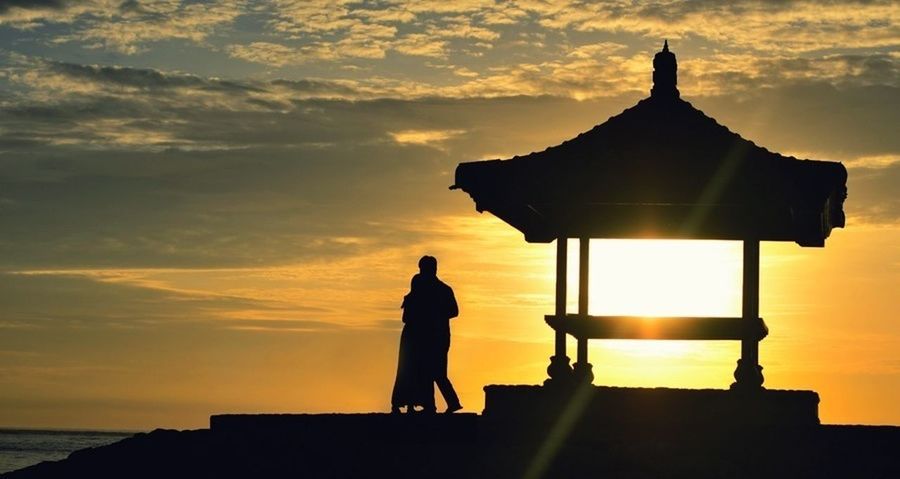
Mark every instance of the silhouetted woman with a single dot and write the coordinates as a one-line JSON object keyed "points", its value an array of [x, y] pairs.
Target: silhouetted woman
{"points": [[412, 386]]}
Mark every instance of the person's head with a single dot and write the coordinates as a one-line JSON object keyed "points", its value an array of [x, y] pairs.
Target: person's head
{"points": [[428, 266]]}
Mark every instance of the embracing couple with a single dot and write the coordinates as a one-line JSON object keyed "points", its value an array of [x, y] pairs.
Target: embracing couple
{"points": [[424, 343]]}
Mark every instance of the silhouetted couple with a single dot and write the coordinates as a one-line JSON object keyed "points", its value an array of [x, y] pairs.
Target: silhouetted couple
{"points": [[424, 343]]}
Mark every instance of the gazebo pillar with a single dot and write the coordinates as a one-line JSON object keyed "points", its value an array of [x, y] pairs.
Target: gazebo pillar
{"points": [[582, 368], [748, 375], [559, 369]]}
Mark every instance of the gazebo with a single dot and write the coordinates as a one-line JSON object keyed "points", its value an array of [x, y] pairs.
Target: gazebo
{"points": [[660, 169]]}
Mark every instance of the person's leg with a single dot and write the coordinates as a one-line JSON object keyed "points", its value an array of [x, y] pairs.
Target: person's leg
{"points": [[424, 385], [400, 394], [449, 394], [443, 382], [428, 403]]}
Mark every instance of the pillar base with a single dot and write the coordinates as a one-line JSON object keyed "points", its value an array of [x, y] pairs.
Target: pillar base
{"points": [[583, 373], [559, 371], [747, 376]]}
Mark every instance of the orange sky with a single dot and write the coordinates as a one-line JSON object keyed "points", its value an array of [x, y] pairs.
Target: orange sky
{"points": [[220, 210]]}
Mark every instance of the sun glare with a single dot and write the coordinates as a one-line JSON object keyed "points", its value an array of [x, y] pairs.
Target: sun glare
{"points": [[660, 278]]}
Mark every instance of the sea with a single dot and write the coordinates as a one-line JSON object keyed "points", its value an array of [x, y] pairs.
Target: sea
{"points": [[22, 447]]}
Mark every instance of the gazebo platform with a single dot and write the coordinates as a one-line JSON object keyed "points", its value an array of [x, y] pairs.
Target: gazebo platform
{"points": [[601, 407]]}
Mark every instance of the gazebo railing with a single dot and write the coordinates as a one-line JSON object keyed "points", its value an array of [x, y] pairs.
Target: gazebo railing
{"points": [[641, 327]]}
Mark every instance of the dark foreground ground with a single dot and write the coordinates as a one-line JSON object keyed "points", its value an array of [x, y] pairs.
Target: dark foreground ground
{"points": [[552, 444]]}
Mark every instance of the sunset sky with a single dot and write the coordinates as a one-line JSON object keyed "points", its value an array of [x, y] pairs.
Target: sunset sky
{"points": [[211, 207]]}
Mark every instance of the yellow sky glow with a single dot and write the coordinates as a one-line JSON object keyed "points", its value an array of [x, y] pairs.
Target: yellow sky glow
{"points": [[212, 207]]}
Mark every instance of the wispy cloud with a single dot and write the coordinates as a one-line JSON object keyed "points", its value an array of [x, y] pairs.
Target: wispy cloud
{"points": [[424, 137], [876, 161]]}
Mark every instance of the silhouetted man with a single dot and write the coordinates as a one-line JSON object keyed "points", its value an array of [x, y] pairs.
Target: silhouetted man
{"points": [[440, 306]]}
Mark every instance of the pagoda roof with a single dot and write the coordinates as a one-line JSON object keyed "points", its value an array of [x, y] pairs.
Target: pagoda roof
{"points": [[660, 169]]}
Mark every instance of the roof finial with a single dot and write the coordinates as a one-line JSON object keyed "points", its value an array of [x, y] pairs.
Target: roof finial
{"points": [[665, 74]]}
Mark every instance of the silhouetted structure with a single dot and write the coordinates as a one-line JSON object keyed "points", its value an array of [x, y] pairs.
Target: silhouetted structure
{"points": [[660, 169]]}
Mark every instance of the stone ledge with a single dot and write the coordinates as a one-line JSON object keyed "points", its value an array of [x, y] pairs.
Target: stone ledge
{"points": [[350, 427], [611, 406]]}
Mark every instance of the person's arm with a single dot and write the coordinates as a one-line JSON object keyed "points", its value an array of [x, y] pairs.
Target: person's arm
{"points": [[452, 307], [404, 308]]}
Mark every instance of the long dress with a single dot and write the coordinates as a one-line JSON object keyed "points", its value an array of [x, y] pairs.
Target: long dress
{"points": [[413, 383]]}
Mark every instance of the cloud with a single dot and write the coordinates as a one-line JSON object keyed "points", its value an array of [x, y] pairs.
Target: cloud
{"points": [[327, 31], [826, 121], [875, 162], [282, 326], [734, 74], [68, 300], [301, 17], [461, 27], [339, 30], [149, 298], [166, 169], [266, 53], [124, 26], [872, 195], [139, 24], [424, 137], [420, 44], [278, 55], [601, 70], [593, 50], [8, 5], [798, 26], [111, 167], [27, 14]]}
